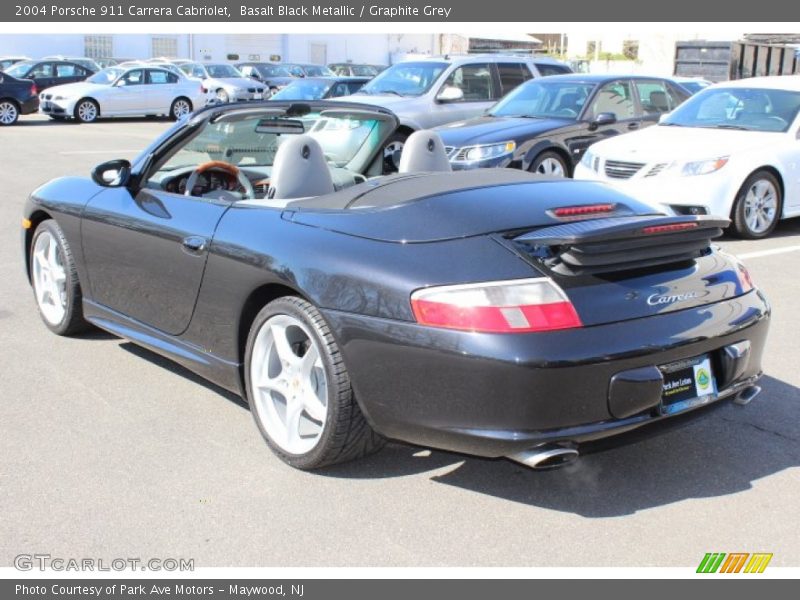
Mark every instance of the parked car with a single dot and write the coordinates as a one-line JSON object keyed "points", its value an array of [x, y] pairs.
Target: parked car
{"points": [[161, 65], [272, 75], [433, 91], [225, 81], [47, 73], [7, 61], [112, 62], [308, 70], [692, 84], [355, 70], [546, 124], [117, 92], [574, 308], [731, 150], [320, 88], [17, 97], [86, 62]]}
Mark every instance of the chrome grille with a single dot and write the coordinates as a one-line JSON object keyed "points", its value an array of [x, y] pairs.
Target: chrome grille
{"points": [[618, 169]]}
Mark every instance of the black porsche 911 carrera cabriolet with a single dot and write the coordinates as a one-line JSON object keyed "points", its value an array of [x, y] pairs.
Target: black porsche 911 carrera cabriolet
{"points": [[496, 313]]}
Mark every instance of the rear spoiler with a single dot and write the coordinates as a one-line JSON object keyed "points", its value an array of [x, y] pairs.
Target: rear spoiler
{"points": [[622, 243]]}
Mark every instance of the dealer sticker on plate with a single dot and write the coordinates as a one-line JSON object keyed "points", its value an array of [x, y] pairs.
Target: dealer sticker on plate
{"points": [[687, 383]]}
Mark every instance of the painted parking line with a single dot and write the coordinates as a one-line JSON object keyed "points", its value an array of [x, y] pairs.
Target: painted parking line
{"points": [[770, 252]]}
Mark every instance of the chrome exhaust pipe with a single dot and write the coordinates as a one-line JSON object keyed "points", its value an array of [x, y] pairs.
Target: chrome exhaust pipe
{"points": [[746, 395], [549, 456]]}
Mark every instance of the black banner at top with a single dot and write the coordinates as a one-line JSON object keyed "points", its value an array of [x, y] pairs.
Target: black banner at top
{"points": [[119, 11]]}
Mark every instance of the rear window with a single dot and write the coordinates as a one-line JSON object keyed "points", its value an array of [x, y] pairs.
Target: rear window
{"points": [[546, 69]]}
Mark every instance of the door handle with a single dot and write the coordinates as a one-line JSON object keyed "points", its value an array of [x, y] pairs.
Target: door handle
{"points": [[194, 244], [633, 125]]}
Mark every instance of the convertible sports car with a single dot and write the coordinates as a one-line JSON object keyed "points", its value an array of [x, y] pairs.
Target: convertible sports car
{"points": [[496, 312]]}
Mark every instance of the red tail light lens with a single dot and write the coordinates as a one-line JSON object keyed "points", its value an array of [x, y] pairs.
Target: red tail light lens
{"points": [[668, 228], [34, 90], [203, 90], [580, 211], [516, 306]]}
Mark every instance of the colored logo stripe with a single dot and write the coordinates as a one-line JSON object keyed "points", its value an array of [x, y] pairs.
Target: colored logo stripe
{"points": [[735, 561], [711, 562], [758, 563]]}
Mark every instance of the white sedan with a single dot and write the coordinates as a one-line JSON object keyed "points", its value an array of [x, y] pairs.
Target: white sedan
{"points": [[128, 91], [733, 149]]}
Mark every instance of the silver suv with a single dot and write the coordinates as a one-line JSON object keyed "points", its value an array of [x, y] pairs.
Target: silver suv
{"points": [[428, 92]]}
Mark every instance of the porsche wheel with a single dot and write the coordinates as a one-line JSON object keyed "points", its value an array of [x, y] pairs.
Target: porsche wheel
{"points": [[299, 389], [87, 111], [55, 281], [9, 112], [550, 164], [758, 206], [180, 107]]}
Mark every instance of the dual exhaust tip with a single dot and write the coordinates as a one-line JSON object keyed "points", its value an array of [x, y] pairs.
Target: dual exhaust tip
{"points": [[554, 456]]}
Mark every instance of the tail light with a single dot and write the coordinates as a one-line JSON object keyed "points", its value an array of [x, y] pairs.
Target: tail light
{"points": [[515, 306], [582, 211], [671, 228], [34, 90], [203, 90]]}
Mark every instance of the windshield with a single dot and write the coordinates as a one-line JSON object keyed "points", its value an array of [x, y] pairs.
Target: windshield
{"points": [[305, 89], [317, 71], [106, 76], [252, 141], [275, 71], [221, 71], [19, 69], [405, 79], [544, 99], [752, 109]]}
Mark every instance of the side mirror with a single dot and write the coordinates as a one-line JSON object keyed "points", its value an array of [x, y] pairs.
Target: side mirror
{"points": [[603, 118], [450, 94], [119, 83], [113, 173]]}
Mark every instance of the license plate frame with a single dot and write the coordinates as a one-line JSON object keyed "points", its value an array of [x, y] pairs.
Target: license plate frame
{"points": [[688, 383]]}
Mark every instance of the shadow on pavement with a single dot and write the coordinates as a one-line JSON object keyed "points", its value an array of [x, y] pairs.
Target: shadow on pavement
{"points": [[715, 452]]}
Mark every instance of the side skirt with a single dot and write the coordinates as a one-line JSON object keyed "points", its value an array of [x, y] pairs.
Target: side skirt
{"points": [[221, 372]]}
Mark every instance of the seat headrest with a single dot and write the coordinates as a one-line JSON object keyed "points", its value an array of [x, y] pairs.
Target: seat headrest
{"points": [[423, 152], [300, 170]]}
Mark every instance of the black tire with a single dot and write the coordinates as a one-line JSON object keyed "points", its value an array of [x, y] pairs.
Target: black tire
{"points": [[174, 109], [391, 161], [549, 157], [740, 225], [9, 112], [83, 112], [72, 321], [346, 435]]}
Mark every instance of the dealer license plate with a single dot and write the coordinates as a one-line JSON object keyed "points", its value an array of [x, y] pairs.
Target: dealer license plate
{"points": [[256, 96], [687, 383]]}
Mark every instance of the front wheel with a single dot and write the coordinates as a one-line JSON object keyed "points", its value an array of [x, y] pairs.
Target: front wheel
{"points": [[758, 206], [299, 389], [550, 164], [55, 280], [87, 111], [222, 96], [179, 108]]}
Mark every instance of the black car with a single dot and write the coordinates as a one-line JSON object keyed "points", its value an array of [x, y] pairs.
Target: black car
{"points": [[47, 73], [273, 75], [320, 88], [491, 312], [545, 125], [17, 97]]}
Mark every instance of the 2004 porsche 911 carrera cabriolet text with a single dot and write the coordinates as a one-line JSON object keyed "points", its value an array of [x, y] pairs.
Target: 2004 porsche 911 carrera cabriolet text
{"points": [[496, 313]]}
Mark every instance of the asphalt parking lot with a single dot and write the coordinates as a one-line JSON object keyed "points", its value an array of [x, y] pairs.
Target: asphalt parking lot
{"points": [[107, 450]]}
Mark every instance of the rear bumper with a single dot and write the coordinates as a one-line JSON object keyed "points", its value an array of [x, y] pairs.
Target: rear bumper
{"points": [[495, 395], [29, 106]]}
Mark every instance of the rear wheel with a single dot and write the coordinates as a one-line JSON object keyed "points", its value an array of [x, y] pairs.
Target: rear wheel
{"points": [[9, 112], [180, 107], [87, 111], [758, 206], [55, 280], [551, 164], [299, 389], [222, 96]]}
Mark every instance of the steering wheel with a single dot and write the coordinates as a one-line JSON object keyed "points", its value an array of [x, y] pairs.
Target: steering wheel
{"points": [[233, 172], [567, 112]]}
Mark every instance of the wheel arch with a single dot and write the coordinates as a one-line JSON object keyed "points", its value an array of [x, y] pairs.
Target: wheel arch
{"points": [[772, 170], [93, 99], [36, 219], [548, 146]]}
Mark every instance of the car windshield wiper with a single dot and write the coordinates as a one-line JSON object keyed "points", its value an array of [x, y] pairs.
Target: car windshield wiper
{"points": [[726, 126], [395, 92]]}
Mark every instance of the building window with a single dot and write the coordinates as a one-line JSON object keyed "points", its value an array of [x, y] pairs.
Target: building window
{"points": [[630, 48], [166, 46], [98, 46]]}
